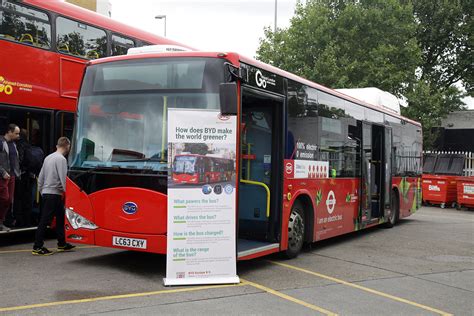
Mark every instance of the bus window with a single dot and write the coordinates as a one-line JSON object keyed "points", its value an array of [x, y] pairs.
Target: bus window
{"points": [[24, 25], [80, 39], [120, 45]]}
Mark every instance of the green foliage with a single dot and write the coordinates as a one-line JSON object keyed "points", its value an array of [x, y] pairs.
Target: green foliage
{"points": [[420, 49], [196, 148], [444, 32], [347, 44]]}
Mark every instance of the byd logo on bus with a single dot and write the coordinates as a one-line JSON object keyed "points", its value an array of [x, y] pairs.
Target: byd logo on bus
{"points": [[130, 208]]}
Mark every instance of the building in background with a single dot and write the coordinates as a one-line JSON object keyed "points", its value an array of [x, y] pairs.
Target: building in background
{"points": [[103, 7], [456, 132]]}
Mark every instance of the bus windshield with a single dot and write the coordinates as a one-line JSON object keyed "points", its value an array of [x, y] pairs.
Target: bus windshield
{"points": [[122, 109], [184, 164]]}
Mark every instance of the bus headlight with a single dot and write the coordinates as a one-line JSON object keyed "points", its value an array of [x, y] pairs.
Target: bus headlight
{"points": [[77, 221]]}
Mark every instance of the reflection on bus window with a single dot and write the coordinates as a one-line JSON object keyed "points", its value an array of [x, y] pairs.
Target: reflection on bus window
{"points": [[120, 45], [24, 25], [184, 164], [80, 39]]}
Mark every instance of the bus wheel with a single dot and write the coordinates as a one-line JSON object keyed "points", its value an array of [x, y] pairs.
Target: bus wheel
{"points": [[295, 231], [394, 213]]}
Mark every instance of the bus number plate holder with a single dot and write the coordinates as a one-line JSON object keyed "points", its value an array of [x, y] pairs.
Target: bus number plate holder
{"points": [[129, 242]]}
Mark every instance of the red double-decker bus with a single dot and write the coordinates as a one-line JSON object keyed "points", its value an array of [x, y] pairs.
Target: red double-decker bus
{"points": [[312, 163], [44, 46], [188, 168]]}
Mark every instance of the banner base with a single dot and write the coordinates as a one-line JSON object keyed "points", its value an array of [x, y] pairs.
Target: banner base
{"points": [[224, 280]]}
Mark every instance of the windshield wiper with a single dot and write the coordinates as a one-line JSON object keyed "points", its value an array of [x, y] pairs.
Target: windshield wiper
{"points": [[143, 159]]}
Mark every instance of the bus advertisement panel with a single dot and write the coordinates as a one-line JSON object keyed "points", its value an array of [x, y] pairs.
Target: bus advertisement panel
{"points": [[201, 217]]}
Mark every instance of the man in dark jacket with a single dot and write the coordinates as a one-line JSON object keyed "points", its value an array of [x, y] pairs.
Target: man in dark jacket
{"points": [[9, 170], [23, 202]]}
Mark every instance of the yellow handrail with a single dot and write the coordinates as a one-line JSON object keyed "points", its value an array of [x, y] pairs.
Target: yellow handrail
{"points": [[27, 38], [266, 189]]}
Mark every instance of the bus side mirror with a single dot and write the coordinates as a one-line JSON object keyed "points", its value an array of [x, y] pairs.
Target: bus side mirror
{"points": [[228, 98]]}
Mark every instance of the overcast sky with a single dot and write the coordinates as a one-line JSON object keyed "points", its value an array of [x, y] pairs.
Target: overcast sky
{"points": [[213, 25], [225, 25]]}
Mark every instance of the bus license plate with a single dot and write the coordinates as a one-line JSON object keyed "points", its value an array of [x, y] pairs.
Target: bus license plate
{"points": [[129, 242]]}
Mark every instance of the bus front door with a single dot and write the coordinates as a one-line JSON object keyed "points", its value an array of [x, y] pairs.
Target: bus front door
{"points": [[260, 173]]}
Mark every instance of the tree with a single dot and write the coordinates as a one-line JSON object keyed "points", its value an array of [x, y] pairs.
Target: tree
{"points": [[444, 32], [421, 49], [346, 44], [196, 148]]}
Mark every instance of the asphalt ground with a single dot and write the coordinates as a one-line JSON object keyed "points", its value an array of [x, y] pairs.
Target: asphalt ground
{"points": [[423, 266]]}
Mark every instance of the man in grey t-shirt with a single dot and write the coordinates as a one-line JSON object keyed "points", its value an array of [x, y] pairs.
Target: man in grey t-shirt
{"points": [[52, 186]]}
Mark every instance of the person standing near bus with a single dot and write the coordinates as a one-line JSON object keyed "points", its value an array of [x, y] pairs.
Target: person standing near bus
{"points": [[31, 160], [52, 186], [9, 170]]}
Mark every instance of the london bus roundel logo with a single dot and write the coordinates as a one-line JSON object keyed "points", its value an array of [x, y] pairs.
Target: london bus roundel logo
{"points": [[129, 208], [289, 168], [331, 202]]}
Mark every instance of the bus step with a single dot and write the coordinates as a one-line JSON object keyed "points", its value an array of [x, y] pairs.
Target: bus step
{"points": [[249, 247]]}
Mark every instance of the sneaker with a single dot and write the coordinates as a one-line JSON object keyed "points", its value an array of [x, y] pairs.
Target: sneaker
{"points": [[4, 228], [66, 247], [43, 251]]}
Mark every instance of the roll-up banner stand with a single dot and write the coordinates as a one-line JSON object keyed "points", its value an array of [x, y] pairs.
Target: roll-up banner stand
{"points": [[201, 198]]}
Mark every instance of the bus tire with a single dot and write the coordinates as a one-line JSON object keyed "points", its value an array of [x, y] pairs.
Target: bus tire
{"points": [[395, 210], [296, 231]]}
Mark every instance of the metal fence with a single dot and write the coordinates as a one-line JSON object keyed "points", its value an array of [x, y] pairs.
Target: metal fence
{"points": [[468, 161]]}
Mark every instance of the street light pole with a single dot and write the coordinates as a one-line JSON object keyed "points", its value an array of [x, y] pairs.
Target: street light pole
{"points": [[162, 16], [275, 26]]}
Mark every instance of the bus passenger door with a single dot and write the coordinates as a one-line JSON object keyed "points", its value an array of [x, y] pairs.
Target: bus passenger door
{"points": [[366, 183], [260, 174]]}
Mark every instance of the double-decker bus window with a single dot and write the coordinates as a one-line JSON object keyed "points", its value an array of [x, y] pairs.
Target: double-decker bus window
{"points": [[25, 25], [120, 45], [79, 39]]}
